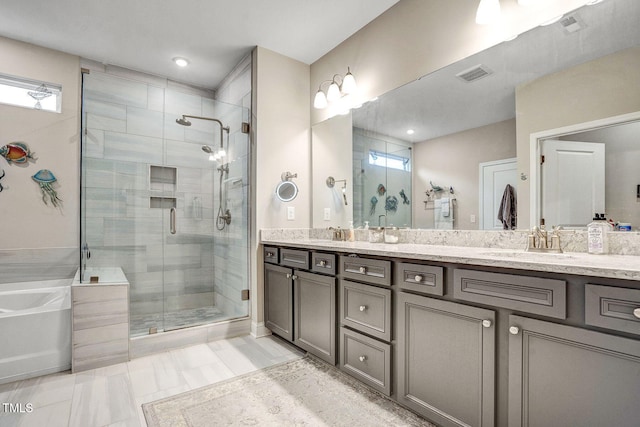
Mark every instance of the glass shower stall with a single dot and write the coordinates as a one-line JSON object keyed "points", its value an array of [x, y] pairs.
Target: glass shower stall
{"points": [[161, 201]]}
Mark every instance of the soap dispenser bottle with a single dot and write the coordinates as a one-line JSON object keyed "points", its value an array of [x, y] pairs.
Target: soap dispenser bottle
{"points": [[597, 235], [352, 232]]}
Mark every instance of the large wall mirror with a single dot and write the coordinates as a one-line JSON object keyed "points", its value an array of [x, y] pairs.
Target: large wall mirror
{"points": [[472, 124]]}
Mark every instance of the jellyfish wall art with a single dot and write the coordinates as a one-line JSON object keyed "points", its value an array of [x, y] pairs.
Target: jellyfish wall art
{"points": [[45, 178]]}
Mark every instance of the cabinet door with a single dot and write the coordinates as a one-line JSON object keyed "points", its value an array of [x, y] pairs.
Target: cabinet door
{"points": [[315, 314], [446, 360], [278, 300], [565, 376]]}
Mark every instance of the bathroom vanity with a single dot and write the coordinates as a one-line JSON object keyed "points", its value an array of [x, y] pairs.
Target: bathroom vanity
{"points": [[467, 335]]}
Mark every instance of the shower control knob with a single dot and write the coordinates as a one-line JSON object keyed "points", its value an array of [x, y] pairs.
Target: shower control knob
{"points": [[514, 330], [486, 323], [363, 270], [418, 278]]}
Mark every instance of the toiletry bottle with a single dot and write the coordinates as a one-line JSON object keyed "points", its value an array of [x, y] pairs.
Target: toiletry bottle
{"points": [[352, 232], [597, 235], [366, 225]]}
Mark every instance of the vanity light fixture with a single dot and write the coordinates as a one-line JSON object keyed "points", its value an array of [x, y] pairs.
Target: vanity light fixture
{"points": [[338, 87], [180, 62], [488, 12]]}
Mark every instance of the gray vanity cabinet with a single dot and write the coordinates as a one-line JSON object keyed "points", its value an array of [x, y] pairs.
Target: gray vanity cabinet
{"points": [[565, 376], [315, 314], [278, 300], [446, 360]]}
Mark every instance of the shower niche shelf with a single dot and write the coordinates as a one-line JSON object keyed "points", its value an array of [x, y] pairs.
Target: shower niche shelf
{"points": [[162, 202], [162, 178]]}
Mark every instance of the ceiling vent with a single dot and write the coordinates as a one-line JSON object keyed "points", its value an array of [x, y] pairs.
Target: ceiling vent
{"points": [[571, 24], [474, 73]]}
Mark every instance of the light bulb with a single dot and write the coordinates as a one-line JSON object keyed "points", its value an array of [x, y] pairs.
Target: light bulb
{"points": [[349, 83], [320, 101], [333, 93], [181, 62], [211, 157], [488, 12]]}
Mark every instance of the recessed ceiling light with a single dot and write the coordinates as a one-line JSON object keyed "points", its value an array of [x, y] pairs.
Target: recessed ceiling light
{"points": [[411, 131], [181, 62]]}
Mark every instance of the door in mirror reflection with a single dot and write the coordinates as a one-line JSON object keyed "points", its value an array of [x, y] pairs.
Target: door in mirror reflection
{"points": [[573, 182]]}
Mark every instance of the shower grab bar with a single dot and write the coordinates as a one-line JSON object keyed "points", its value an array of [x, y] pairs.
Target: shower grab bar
{"points": [[172, 220]]}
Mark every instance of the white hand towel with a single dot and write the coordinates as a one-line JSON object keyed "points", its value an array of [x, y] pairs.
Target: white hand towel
{"points": [[445, 205]]}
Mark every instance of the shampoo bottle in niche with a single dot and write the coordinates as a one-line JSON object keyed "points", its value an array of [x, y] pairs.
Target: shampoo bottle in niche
{"points": [[597, 235]]}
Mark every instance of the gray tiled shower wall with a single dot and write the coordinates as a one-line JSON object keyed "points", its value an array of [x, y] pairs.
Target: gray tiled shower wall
{"points": [[131, 126]]}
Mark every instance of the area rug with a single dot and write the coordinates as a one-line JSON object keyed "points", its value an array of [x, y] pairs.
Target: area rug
{"points": [[303, 392]]}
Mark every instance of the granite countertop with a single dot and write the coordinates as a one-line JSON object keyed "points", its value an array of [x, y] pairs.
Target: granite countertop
{"points": [[610, 266]]}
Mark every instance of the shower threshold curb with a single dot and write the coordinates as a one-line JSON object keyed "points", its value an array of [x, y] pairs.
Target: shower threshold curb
{"points": [[156, 343]]}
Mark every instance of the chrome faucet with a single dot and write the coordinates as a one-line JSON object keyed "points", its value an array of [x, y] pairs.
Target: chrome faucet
{"points": [[538, 240], [338, 234], [385, 220]]}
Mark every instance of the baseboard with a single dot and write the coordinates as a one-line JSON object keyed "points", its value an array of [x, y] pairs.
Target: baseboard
{"points": [[258, 329]]}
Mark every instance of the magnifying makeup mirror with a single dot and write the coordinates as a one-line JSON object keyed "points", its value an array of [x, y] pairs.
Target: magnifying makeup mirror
{"points": [[287, 190]]}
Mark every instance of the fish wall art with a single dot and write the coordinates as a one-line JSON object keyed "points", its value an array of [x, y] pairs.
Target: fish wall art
{"points": [[16, 152]]}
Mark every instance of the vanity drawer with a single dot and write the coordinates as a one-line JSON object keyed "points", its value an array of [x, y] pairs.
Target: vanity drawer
{"points": [[374, 271], [366, 359], [613, 308], [270, 254], [295, 258], [536, 295], [426, 279], [366, 308], [323, 263]]}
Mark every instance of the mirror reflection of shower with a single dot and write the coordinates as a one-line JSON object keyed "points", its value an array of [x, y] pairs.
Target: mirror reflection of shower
{"points": [[224, 215]]}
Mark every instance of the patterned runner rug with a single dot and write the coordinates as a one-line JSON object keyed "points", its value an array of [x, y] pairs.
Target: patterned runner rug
{"points": [[304, 392]]}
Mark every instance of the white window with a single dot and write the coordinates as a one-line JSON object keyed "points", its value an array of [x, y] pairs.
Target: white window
{"points": [[30, 94], [389, 160]]}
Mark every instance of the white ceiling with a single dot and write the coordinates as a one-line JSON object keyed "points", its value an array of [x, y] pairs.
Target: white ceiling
{"points": [[440, 104], [214, 35]]}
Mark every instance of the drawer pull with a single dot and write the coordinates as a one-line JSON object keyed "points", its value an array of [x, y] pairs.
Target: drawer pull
{"points": [[418, 278], [362, 358], [636, 313], [363, 270], [322, 263], [363, 307], [270, 254], [514, 330], [289, 275], [294, 277], [486, 323]]}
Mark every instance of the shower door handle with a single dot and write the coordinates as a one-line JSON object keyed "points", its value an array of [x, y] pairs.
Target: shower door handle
{"points": [[172, 221]]}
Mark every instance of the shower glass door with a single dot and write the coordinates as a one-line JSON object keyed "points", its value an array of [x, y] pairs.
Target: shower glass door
{"points": [[151, 196]]}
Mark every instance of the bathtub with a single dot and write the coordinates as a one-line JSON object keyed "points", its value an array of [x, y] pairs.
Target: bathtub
{"points": [[35, 329]]}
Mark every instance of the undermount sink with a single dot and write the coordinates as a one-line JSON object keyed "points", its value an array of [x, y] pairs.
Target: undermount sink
{"points": [[528, 255]]}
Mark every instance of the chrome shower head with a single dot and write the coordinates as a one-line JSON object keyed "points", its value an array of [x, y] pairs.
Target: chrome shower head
{"points": [[207, 149], [183, 122]]}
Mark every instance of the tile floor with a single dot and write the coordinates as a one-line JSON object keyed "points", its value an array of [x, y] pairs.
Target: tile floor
{"points": [[113, 396]]}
